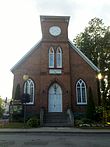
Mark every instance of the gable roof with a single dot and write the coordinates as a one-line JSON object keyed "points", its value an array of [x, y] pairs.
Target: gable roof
{"points": [[72, 46], [84, 57]]}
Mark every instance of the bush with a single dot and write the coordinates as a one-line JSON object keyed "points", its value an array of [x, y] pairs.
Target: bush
{"points": [[99, 114], [78, 122], [17, 117], [90, 112], [33, 122], [83, 121]]}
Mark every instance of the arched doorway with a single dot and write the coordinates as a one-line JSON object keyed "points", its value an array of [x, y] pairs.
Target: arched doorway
{"points": [[55, 98]]}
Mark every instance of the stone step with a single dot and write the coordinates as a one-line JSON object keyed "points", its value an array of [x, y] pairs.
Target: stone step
{"points": [[57, 125], [58, 114], [56, 119]]}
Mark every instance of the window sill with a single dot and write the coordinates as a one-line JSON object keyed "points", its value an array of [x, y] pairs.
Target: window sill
{"points": [[29, 104], [55, 71], [81, 104]]}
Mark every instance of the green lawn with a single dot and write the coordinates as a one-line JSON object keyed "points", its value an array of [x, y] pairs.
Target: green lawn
{"points": [[13, 125]]}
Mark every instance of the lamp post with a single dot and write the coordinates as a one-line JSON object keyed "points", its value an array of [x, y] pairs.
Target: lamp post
{"points": [[11, 110], [100, 77], [25, 78]]}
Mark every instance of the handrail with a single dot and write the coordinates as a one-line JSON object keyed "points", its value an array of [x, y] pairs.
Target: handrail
{"points": [[41, 116], [71, 116]]}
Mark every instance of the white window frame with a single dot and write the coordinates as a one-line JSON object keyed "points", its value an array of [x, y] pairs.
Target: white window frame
{"points": [[29, 87], [81, 86], [51, 54], [57, 57]]}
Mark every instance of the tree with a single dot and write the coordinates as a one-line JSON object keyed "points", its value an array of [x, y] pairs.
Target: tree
{"points": [[94, 42], [17, 93], [1, 107]]}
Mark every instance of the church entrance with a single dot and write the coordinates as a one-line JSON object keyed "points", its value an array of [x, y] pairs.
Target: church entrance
{"points": [[55, 98]]}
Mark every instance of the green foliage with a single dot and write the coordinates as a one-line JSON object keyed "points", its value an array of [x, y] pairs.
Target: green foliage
{"points": [[17, 93], [94, 42], [99, 109], [103, 114], [17, 117], [90, 112], [13, 125], [91, 41], [33, 122], [17, 109], [1, 107], [81, 121]]}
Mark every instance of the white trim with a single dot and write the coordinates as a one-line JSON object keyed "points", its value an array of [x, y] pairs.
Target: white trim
{"points": [[84, 57], [80, 88], [55, 71], [55, 98], [60, 54], [71, 44], [28, 88], [53, 56]]}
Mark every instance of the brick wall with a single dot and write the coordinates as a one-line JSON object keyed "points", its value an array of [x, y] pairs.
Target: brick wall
{"points": [[35, 64], [74, 68]]}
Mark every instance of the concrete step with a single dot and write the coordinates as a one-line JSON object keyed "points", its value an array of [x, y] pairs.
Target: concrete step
{"points": [[57, 125], [56, 119]]}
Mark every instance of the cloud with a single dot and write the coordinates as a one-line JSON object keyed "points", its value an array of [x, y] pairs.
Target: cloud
{"points": [[20, 26], [56, 7]]}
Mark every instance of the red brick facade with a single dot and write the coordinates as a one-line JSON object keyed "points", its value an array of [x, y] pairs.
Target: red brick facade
{"points": [[75, 66]]}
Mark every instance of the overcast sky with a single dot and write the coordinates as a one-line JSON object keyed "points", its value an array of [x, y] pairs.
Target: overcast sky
{"points": [[20, 27]]}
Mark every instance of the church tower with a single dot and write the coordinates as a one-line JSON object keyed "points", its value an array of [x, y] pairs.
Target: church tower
{"points": [[55, 66], [54, 28]]}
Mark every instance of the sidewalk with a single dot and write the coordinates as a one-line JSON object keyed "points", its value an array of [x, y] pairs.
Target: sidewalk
{"points": [[56, 130]]}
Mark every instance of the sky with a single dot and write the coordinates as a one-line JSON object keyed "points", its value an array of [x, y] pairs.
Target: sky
{"points": [[20, 28]]}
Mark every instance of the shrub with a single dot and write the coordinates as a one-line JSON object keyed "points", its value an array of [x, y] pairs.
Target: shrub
{"points": [[99, 114], [90, 112], [33, 122], [78, 122], [17, 117], [83, 122]]}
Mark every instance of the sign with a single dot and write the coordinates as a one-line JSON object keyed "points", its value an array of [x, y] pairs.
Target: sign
{"points": [[55, 71]]}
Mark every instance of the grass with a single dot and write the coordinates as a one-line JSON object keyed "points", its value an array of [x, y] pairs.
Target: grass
{"points": [[13, 125]]}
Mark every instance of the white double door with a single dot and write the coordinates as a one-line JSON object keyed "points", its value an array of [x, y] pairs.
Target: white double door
{"points": [[55, 98]]}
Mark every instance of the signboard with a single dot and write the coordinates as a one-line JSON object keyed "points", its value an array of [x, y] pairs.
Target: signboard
{"points": [[55, 71]]}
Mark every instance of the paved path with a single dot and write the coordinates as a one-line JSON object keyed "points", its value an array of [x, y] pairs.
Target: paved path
{"points": [[54, 140], [55, 130]]}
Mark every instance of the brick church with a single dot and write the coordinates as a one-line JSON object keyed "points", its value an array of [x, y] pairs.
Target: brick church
{"points": [[58, 74]]}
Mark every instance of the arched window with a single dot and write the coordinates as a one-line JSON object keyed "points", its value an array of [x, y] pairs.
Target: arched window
{"points": [[59, 58], [51, 58], [81, 92], [29, 89]]}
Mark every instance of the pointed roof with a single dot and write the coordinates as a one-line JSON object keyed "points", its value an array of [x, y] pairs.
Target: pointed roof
{"points": [[72, 46], [56, 18]]}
